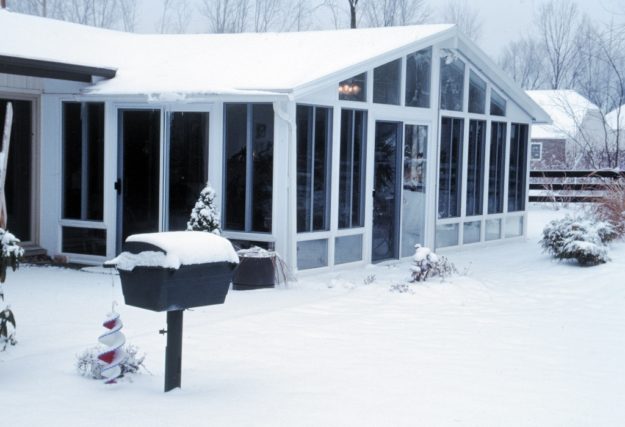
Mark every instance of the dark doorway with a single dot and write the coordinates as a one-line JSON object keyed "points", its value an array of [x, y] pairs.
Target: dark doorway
{"points": [[19, 170], [385, 238], [139, 172]]}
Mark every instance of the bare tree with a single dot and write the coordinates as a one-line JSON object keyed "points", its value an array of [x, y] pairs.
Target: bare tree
{"points": [[266, 14], [46, 8], [467, 18], [523, 61], [558, 22], [226, 16], [388, 13], [352, 13], [128, 12], [175, 18]]}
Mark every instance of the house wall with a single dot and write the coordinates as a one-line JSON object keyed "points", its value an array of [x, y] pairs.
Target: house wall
{"points": [[553, 154]]}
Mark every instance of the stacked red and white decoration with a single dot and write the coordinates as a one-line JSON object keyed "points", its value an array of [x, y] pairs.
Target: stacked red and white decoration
{"points": [[113, 355]]}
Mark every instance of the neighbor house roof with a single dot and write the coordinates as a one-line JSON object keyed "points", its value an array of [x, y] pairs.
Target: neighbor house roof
{"points": [[567, 110], [616, 118]]}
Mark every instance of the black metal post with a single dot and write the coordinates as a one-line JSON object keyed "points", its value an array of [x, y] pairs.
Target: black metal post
{"points": [[173, 352]]}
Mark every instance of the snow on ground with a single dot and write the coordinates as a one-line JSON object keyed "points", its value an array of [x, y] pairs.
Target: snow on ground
{"points": [[519, 340]]}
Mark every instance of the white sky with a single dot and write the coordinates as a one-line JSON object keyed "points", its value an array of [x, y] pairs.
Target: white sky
{"points": [[503, 20]]}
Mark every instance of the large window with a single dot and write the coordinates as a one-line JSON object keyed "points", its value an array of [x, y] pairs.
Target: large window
{"points": [[450, 173], [475, 167], [496, 167], [354, 88], [497, 104], [352, 169], [188, 164], [248, 167], [452, 84], [386, 82], [314, 133], [518, 168], [83, 160], [477, 94], [418, 78]]}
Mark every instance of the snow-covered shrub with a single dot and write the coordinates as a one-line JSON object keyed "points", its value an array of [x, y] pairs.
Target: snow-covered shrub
{"points": [[204, 216], [611, 206], [427, 264], [88, 365], [369, 279], [10, 254], [578, 238], [401, 288]]}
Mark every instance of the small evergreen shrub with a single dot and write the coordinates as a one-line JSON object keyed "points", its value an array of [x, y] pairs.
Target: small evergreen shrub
{"points": [[204, 216], [427, 264], [10, 255], [582, 239]]}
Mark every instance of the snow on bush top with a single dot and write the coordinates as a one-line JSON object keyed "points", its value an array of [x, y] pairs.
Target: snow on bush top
{"points": [[181, 248]]}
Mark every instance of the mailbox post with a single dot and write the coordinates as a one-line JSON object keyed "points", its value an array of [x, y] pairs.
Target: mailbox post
{"points": [[173, 271]]}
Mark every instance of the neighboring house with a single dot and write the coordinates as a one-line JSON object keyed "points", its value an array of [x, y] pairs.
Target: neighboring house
{"points": [[577, 127], [333, 147]]}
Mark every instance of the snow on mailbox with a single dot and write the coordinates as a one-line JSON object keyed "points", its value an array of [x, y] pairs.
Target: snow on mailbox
{"points": [[173, 271]]}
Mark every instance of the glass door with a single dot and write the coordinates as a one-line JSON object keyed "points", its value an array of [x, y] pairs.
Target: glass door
{"points": [[386, 191], [414, 188], [19, 182], [138, 185]]}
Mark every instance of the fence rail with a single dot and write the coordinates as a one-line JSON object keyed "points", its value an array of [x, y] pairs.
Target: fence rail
{"points": [[566, 186]]}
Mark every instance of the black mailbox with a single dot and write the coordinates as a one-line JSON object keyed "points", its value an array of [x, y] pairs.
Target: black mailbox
{"points": [[167, 289], [171, 272]]}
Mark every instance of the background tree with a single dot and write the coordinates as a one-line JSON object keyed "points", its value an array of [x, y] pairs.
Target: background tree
{"points": [[225, 16], [523, 61], [467, 18], [388, 13], [176, 17]]}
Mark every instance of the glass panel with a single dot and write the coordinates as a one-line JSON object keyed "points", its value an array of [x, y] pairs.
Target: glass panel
{"points": [[472, 232], [518, 168], [536, 151], [497, 104], [312, 254], [477, 94], [418, 78], [348, 249], [352, 168], [496, 167], [235, 161], [385, 213], [249, 167], [188, 164], [83, 160], [475, 167], [313, 168], [452, 84], [450, 171], [18, 185], [354, 88], [85, 241], [514, 226], [447, 235], [141, 175], [386, 84], [414, 196], [262, 166], [493, 229]]}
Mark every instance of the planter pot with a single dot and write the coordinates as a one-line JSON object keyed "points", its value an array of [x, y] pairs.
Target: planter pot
{"points": [[254, 273]]}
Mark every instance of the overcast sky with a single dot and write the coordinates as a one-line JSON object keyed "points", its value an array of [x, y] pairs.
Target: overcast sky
{"points": [[503, 20]]}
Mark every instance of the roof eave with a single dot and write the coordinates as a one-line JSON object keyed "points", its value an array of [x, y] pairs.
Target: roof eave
{"points": [[53, 70]]}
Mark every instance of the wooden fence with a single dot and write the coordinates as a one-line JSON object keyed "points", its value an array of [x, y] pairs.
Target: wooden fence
{"points": [[566, 186]]}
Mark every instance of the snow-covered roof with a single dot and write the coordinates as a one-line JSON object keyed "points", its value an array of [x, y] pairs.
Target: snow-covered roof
{"points": [[616, 118], [203, 63], [567, 110]]}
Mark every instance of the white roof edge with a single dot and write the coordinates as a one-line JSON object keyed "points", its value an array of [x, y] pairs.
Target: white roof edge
{"points": [[508, 85]]}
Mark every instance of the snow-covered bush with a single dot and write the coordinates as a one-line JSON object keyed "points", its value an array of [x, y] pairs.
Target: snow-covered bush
{"points": [[578, 238], [204, 216], [401, 288], [88, 365], [427, 264], [10, 255], [611, 206]]}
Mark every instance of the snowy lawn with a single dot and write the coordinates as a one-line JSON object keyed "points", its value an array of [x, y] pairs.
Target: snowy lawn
{"points": [[520, 340]]}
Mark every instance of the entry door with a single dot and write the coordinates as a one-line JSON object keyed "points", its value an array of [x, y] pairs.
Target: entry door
{"points": [[385, 233], [19, 181], [139, 175]]}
